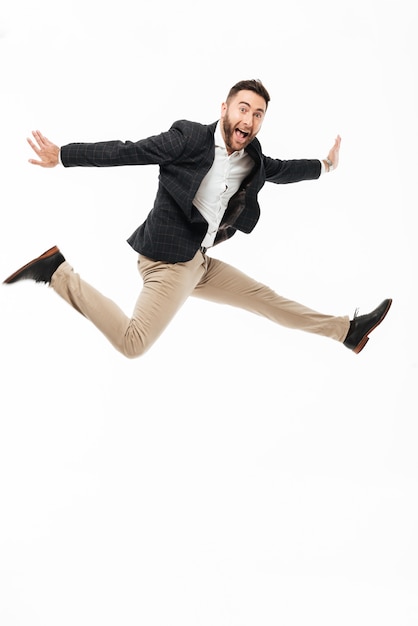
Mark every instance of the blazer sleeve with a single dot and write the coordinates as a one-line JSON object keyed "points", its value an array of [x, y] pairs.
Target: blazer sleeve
{"points": [[292, 171], [159, 149]]}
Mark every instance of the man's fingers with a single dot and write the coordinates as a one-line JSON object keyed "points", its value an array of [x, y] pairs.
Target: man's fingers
{"points": [[38, 135], [45, 149], [33, 146], [42, 141]]}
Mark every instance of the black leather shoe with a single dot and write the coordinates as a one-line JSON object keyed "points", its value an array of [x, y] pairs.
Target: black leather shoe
{"points": [[40, 269], [361, 326]]}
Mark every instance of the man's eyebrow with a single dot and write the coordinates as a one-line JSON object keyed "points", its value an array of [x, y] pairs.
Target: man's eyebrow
{"points": [[249, 106]]}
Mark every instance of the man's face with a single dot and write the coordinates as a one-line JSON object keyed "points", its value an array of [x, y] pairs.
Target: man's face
{"points": [[241, 119]]}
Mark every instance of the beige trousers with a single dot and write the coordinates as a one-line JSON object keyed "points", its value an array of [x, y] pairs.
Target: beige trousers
{"points": [[166, 286]]}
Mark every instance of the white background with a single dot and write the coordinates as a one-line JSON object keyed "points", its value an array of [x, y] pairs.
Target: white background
{"points": [[240, 473]]}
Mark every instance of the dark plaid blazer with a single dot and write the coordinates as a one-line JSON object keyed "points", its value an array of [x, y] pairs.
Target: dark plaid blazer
{"points": [[174, 229]]}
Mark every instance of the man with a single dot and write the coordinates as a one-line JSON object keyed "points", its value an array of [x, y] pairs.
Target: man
{"points": [[210, 176]]}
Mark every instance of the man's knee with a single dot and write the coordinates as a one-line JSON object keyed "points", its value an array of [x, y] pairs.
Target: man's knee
{"points": [[134, 344]]}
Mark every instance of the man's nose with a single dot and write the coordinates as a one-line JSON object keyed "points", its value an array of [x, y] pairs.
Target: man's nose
{"points": [[248, 119]]}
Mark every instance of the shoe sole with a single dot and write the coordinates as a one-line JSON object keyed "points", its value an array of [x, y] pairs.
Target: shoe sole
{"points": [[359, 347], [45, 255]]}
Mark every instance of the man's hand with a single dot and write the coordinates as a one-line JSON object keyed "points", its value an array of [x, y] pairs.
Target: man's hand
{"points": [[47, 151], [333, 154]]}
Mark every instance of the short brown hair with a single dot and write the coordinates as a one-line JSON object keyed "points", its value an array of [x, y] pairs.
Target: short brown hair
{"points": [[250, 85]]}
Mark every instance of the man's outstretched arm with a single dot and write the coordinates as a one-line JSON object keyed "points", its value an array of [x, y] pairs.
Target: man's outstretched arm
{"points": [[47, 151]]}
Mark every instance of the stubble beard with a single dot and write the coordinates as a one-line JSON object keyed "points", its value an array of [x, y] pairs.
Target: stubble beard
{"points": [[229, 135]]}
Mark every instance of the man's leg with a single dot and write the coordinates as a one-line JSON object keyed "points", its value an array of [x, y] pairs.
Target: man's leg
{"points": [[166, 287], [224, 284]]}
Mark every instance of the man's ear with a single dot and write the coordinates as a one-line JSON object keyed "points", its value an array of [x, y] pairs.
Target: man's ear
{"points": [[224, 108]]}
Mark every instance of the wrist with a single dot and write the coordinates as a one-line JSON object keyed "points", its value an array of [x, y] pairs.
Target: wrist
{"points": [[329, 166]]}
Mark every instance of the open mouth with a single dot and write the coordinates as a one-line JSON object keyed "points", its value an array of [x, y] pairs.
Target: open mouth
{"points": [[241, 134]]}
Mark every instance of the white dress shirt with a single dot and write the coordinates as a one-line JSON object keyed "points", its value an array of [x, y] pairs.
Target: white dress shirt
{"points": [[220, 184]]}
